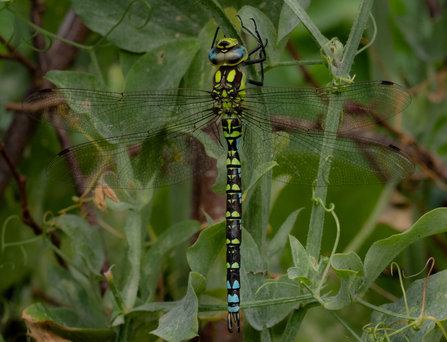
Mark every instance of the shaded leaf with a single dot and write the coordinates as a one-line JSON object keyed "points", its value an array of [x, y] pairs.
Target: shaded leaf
{"points": [[181, 322], [435, 306], [85, 241], [53, 325], [163, 67], [252, 278], [203, 253], [348, 268], [280, 239], [133, 237], [154, 258], [384, 251], [75, 79]]}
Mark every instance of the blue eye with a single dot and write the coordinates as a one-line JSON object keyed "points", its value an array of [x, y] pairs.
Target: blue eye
{"points": [[236, 55], [216, 57]]}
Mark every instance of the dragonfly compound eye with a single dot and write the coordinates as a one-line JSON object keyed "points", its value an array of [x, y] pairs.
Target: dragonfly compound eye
{"points": [[236, 55], [216, 57]]}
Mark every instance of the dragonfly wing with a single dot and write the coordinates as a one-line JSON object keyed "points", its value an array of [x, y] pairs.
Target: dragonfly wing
{"points": [[303, 157], [139, 160], [306, 109], [103, 114]]}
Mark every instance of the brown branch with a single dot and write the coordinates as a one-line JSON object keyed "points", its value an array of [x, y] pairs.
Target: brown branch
{"points": [[27, 63], [27, 218], [22, 127], [296, 56], [14, 107]]}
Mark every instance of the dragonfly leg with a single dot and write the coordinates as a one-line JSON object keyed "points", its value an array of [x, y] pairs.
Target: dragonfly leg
{"points": [[262, 54], [215, 36]]}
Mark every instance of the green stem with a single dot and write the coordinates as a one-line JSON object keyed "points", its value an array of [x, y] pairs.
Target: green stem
{"points": [[96, 66], [307, 22], [355, 35], [125, 330], [259, 303], [317, 215], [292, 63], [334, 249], [48, 33], [386, 312], [68, 260], [371, 223]]}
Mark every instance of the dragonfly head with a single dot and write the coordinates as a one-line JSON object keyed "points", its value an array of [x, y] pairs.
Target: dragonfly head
{"points": [[227, 52]]}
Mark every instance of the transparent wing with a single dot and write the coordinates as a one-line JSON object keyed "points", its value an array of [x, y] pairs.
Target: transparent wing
{"points": [[153, 138], [306, 109], [287, 125], [352, 160], [103, 114], [139, 160]]}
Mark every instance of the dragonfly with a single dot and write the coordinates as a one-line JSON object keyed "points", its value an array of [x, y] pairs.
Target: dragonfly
{"points": [[166, 136]]}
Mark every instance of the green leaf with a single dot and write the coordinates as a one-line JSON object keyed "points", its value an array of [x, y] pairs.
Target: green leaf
{"points": [[213, 9], [170, 21], [181, 322], [154, 258], [152, 307], [203, 253], [252, 278], [59, 321], [288, 20], [85, 303], [127, 60], [85, 241], [293, 325], [221, 180], [442, 149], [435, 306], [299, 254], [209, 219], [425, 42], [301, 263], [384, 251], [74, 79], [133, 237], [163, 67], [280, 239], [266, 167], [349, 268], [200, 73]]}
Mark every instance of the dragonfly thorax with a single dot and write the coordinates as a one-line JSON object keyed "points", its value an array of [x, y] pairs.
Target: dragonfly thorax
{"points": [[227, 85]]}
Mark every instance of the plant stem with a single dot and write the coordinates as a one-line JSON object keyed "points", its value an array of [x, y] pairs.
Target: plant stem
{"points": [[317, 216], [307, 22], [379, 309]]}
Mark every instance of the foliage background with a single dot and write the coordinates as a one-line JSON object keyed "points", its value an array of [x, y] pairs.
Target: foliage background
{"points": [[410, 49]]}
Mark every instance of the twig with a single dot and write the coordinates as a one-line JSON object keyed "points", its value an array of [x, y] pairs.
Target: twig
{"points": [[17, 56], [26, 215], [15, 107], [296, 56]]}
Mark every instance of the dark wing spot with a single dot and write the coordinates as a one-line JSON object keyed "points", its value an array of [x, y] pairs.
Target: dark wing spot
{"points": [[394, 147], [61, 153], [387, 83]]}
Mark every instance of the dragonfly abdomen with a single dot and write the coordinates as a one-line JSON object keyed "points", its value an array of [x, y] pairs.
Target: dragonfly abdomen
{"points": [[232, 129]]}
